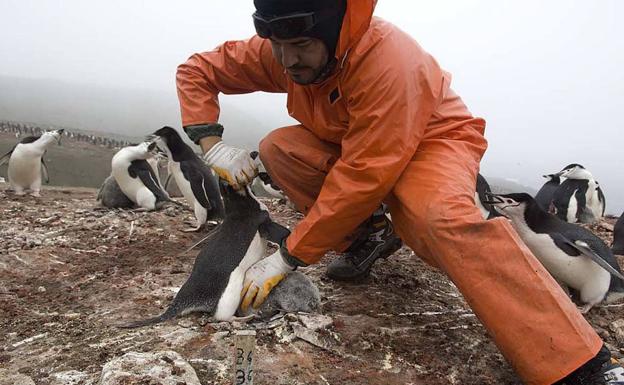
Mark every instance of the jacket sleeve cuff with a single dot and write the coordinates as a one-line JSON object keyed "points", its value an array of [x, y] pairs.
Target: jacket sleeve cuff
{"points": [[198, 131], [290, 259]]}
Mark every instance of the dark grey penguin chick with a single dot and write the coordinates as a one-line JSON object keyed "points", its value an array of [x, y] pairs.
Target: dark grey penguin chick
{"points": [[216, 280], [295, 293], [544, 196], [618, 236], [111, 196], [573, 255], [195, 179]]}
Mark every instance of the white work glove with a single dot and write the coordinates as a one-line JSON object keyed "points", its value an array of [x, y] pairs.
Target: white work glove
{"points": [[235, 165], [261, 278]]}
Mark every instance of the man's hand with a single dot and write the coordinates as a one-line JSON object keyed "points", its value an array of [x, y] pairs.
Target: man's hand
{"points": [[235, 165], [261, 278]]}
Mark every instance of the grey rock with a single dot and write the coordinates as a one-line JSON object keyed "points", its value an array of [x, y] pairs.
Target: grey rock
{"points": [[9, 378], [164, 367]]}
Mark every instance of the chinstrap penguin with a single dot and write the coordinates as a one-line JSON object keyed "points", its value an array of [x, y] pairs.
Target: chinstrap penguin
{"points": [[544, 196], [26, 164], [263, 185], [136, 178], [195, 179], [573, 255], [579, 198], [110, 194], [215, 283]]}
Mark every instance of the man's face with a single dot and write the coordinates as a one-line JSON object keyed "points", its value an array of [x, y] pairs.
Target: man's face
{"points": [[303, 57]]}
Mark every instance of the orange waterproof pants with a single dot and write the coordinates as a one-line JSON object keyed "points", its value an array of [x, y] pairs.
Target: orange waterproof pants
{"points": [[533, 323]]}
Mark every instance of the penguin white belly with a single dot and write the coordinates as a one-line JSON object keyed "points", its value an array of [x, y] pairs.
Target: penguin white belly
{"points": [[183, 184], [572, 208], [24, 168], [580, 273], [133, 188], [231, 297]]}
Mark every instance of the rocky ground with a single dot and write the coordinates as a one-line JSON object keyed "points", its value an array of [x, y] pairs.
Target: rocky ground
{"points": [[70, 271]]}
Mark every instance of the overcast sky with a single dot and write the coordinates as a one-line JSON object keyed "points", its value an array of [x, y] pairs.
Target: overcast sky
{"points": [[546, 75]]}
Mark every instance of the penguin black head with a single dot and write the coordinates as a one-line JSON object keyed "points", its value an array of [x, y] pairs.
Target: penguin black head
{"points": [[571, 166], [168, 134], [511, 205], [241, 203], [168, 137], [552, 177], [575, 171]]}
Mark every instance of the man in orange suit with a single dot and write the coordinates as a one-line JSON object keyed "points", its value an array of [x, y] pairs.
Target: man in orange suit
{"points": [[379, 125]]}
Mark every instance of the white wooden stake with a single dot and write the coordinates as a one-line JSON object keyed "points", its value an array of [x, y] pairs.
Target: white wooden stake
{"points": [[244, 345]]}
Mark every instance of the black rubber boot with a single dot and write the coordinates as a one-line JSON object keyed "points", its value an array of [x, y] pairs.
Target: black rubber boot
{"points": [[379, 241], [600, 370]]}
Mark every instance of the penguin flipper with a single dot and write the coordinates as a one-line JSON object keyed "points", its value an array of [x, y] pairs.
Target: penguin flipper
{"points": [[141, 169], [7, 156], [197, 182], [586, 250], [167, 181], [44, 169], [602, 199], [578, 247], [273, 231]]}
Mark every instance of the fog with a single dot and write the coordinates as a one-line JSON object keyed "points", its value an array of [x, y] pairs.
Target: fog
{"points": [[547, 76]]}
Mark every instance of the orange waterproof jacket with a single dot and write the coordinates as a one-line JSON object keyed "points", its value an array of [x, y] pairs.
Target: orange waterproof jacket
{"points": [[386, 95]]}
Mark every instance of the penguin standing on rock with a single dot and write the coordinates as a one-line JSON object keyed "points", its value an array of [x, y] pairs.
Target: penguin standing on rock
{"points": [[618, 236], [579, 198], [194, 178], [136, 178], [572, 254], [26, 162], [545, 195], [216, 280]]}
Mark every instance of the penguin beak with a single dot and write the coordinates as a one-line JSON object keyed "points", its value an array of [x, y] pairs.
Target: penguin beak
{"points": [[492, 199]]}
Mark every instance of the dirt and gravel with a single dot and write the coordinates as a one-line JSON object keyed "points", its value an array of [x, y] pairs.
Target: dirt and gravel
{"points": [[70, 271]]}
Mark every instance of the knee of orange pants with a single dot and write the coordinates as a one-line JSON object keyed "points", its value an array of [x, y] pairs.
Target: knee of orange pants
{"points": [[298, 162], [433, 220]]}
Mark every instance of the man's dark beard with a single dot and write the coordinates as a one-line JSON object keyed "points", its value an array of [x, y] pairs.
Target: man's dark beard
{"points": [[326, 71], [322, 74]]}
